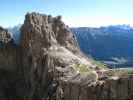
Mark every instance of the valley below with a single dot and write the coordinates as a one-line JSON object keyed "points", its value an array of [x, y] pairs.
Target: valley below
{"points": [[111, 45]]}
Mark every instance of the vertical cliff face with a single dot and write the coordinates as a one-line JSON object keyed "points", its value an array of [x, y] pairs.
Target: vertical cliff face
{"points": [[37, 37], [11, 77], [120, 89], [48, 49], [8, 51], [47, 65], [52, 69]]}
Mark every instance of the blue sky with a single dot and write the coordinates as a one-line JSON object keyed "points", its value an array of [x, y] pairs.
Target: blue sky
{"points": [[93, 13]]}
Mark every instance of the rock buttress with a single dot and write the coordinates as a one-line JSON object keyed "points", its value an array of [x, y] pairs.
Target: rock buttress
{"points": [[11, 76], [55, 69], [48, 65], [48, 49]]}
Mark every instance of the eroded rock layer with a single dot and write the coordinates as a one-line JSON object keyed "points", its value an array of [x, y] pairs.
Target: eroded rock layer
{"points": [[48, 49], [48, 65]]}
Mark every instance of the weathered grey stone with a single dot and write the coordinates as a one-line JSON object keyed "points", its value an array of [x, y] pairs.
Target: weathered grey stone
{"points": [[48, 65]]}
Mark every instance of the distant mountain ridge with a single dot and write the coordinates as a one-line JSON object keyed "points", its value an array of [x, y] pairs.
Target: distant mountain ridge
{"points": [[15, 33], [112, 44]]}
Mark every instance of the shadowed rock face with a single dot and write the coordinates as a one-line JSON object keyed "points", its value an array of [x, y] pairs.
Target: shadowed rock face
{"points": [[11, 78], [5, 36], [48, 65], [8, 51]]}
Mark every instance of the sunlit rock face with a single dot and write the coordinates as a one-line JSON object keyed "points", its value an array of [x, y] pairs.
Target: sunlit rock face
{"points": [[48, 65], [49, 52]]}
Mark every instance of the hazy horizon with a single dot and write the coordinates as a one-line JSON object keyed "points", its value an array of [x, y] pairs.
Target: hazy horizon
{"points": [[75, 13]]}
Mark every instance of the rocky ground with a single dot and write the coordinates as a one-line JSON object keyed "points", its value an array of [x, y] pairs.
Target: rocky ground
{"points": [[48, 65]]}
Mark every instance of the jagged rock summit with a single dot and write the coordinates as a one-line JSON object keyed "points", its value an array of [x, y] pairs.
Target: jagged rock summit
{"points": [[48, 65], [47, 56], [50, 55]]}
